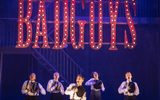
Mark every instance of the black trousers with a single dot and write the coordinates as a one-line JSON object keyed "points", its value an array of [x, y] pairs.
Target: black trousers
{"points": [[31, 97], [130, 98], [56, 96], [95, 95]]}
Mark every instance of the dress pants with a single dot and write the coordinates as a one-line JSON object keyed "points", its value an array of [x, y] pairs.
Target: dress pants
{"points": [[130, 98], [95, 95], [31, 97], [56, 96]]}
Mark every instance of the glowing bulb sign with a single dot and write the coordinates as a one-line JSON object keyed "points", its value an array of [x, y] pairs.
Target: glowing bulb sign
{"points": [[69, 24]]}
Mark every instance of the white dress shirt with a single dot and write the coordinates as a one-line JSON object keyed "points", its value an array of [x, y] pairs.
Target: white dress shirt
{"points": [[71, 92], [26, 89], [51, 86], [123, 89], [91, 83]]}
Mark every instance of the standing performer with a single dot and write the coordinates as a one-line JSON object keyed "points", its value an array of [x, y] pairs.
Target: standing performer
{"points": [[96, 87], [129, 88], [55, 88], [75, 90], [31, 88]]}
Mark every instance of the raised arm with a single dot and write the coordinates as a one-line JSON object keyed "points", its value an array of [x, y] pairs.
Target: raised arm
{"points": [[69, 90], [136, 89], [121, 88], [90, 82], [102, 87], [42, 90], [49, 86], [62, 89], [24, 88], [84, 96]]}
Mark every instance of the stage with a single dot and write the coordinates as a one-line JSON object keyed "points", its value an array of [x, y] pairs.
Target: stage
{"points": [[110, 37]]}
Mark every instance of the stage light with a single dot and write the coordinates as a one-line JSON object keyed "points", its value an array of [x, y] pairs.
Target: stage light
{"points": [[113, 12], [24, 20], [79, 44], [131, 27], [57, 44], [94, 45], [41, 20], [81, 24]]}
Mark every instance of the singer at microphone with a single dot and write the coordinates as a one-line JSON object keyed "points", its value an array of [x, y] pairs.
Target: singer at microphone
{"points": [[128, 88], [55, 88], [76, 90]]}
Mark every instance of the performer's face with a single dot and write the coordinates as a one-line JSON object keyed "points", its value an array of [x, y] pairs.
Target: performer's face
{"points": [[128, 76], [33, 77], [95, 75], [56, 76], [79, 80]]}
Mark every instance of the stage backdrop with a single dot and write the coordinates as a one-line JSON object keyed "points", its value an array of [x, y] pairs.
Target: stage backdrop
{"points": [[143, 61]]}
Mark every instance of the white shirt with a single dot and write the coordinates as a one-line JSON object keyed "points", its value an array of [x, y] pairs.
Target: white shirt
{"points": [[91, 83], [26, 86], [51, 87], [123, 89], [70, 91]]}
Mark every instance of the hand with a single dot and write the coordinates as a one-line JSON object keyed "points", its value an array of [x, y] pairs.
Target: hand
{"points": [[75, 90], [56, 85], [130, 94], [53, 87], [126, 90], [30, 93], [93, 82]]}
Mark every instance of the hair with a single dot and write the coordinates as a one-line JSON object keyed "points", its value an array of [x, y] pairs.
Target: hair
{"points": [[32, 74], [93, 73], [55, 73], [128, 73], [80, 76]]}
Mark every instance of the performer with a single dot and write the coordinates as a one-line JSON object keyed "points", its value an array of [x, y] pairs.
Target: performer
{"points": [[55, 88], [75, 90], [31, 88], [96, 87], [129, 88]]}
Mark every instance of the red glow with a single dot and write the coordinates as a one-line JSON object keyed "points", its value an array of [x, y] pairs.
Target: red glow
{"points": [[113, 20], [70, 23], [72, 28], [57, 25], [100, 26], [131, 27], [41, 20], [24, 20]]}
